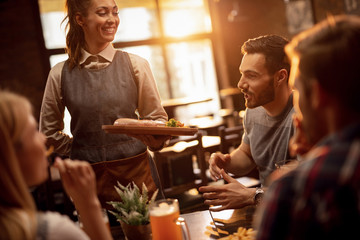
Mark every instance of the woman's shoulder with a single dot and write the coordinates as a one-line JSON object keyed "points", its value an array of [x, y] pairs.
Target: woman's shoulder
{"points": [[55, 71], [58, 66], [56, 226], [136, 59]]}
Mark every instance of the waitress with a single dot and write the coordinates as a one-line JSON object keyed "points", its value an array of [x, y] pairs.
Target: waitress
{"points": [[99, 84]]}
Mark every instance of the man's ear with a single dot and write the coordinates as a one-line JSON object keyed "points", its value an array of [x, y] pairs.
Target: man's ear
{"points": [[281, 76], [319, 97], [79, 19]]}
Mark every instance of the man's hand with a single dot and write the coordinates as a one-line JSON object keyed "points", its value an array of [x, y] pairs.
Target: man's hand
{"points": [[298, 144], [217, 162], [230, 196], [281, 171]]}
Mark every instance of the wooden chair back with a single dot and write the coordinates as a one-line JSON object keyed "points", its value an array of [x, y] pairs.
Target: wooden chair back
{"points": [[177, 165], [230, 138]]}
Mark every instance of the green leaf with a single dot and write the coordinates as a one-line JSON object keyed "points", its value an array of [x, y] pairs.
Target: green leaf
{"points": [[134, 207]]}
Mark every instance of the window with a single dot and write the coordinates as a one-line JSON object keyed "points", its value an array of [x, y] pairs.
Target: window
{"points": [[175, 36]]}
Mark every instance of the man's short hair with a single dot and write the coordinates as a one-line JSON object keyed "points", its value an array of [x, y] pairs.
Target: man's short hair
{"points": [[272, 47], [330, 53]]}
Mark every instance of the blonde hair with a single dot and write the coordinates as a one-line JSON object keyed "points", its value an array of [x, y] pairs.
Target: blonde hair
{"points": [[17, 207]]}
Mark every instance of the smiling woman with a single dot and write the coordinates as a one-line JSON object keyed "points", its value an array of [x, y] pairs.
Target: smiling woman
{"points": [[99, 84], [99, 24], [175, 37]]}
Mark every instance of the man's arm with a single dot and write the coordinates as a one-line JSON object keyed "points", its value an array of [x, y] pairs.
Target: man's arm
{"points": [[238, 162], [233, 194], [241, 160]]}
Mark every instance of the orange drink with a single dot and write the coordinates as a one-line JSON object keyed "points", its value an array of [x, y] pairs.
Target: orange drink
{"points": [[163, 219]]}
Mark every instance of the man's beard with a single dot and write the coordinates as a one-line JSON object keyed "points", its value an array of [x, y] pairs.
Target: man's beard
{"points": [[268, 95]]}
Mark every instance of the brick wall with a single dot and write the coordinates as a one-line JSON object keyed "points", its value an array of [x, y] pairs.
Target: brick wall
{"points": [[23, 63]]}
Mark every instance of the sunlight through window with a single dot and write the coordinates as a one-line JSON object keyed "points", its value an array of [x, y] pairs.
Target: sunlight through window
{"points": [[182, 68], [184, 17]]}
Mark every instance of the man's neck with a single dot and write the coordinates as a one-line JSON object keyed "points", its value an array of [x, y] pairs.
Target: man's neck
{"points": [[277, 106]]}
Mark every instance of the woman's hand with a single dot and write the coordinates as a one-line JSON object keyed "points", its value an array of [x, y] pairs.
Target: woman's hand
{"points": [[78, 179], [79, 182]]}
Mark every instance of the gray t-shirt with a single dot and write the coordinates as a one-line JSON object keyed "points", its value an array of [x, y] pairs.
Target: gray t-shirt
{"points": [[268, 137]]}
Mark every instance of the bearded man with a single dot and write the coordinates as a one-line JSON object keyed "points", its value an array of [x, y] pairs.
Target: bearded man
{"points": [[268, 124]]}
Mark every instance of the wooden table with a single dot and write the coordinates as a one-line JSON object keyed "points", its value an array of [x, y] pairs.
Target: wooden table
{"points": [[170, 104], [201, 225], [210, 143], [207, 124]]}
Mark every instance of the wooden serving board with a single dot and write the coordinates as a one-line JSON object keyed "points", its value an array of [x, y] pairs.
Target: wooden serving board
{"points": [[153, 130]]}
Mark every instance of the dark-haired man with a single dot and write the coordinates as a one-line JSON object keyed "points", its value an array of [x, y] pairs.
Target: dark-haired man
{"points": [[268, 123], [321, 198]]}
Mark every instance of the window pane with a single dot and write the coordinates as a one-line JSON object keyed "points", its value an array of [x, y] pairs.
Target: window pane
{"points": [[138, 20], [54, 59], [53, 30], [52, 13], [193, 75], [185, 17], [154, 56]]}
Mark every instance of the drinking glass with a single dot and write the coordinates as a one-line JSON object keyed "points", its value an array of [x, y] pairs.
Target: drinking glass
{"points": [[165, 221]]}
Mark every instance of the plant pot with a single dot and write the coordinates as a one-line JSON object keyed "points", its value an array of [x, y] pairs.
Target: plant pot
{"points": [[140, 232]]}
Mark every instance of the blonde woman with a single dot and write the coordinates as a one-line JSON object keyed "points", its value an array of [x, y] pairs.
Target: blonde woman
{"points": [[23, 164]]}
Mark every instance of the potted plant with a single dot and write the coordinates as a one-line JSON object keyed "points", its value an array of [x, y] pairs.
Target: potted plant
{"points": [[133, 211]]}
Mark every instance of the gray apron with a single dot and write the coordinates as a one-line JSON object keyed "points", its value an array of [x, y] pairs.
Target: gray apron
{"points": [[96, 97]]}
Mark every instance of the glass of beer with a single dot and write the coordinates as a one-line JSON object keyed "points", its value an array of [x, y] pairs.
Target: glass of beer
{"points": [[165, 221]]}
